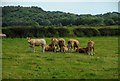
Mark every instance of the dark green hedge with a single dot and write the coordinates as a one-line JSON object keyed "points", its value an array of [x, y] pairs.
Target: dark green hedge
{"points": [[80, 32], [59, 32], [109, 32], [36, 32]]}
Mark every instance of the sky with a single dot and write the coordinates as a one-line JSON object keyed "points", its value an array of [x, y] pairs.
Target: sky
{"points": [[72, 6]]}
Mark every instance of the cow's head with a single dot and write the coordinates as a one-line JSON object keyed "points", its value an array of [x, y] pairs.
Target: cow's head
{"points": [[28, 39]]}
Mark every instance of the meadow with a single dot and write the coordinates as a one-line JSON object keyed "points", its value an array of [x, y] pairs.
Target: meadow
{"points": [[18, 62]]}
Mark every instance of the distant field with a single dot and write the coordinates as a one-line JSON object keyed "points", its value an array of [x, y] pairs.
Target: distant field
{"points": [[20, 63]]}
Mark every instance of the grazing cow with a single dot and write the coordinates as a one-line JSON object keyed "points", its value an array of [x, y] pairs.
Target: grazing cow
{"points": [[49, 47], [54, 41], [61, 43], [82, 50], [2, 35], [65, 48], [37, 42], [73, 44], [90, 46]]}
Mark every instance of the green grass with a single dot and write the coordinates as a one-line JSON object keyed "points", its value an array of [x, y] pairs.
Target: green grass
{"points": [[20, 63]]}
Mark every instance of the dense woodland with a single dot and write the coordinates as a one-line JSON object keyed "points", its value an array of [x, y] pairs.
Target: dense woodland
{"points": [[18, 21], [31, 16]]}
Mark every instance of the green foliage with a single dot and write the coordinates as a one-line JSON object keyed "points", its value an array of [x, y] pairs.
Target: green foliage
{"points": [[59, 32], [80, 32], [27, 16], [109, 32], [52, 32], [63, 32]]}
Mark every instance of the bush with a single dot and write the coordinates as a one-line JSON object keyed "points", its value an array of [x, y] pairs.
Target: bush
{"points": [[24, 32], [52, 32], [59, 32], [80, 32], [8, 32], [109, 32], [63, 32]]}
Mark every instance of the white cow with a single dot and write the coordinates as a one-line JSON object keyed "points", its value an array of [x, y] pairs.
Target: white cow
{"points": [[2, 35], [37, 42]]}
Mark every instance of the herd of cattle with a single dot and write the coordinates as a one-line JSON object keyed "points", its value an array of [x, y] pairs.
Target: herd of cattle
{"points": [[59, 45]]}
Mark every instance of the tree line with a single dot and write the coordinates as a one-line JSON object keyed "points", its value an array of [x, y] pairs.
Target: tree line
{"points": [[36, 16]]}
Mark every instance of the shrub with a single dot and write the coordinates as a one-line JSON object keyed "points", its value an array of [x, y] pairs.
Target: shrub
{"points": [[63, 32], [80, 32], [59, 32], [52, 32], [109, 32]]}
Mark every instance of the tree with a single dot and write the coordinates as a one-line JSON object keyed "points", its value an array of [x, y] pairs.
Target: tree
{"points": [[109, 22]]}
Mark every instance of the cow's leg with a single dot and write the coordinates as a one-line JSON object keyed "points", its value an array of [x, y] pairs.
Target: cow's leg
{"points": [[69, 47], [56, 48], [61, 49], [91, 51], [73, 46], [88, 51], [43, 48]]}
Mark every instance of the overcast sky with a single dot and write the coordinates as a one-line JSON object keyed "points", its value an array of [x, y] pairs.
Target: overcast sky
{"points": [[71, 6]]}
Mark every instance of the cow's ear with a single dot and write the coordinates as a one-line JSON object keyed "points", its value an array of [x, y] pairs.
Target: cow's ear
{"points": [[28, 38]]}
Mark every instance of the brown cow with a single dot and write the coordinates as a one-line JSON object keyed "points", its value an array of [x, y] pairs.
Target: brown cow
{"points": [[90, 46], [49, 47], [73, 44], [61, 43], [82, 50], [65, 48], [54, 41]]}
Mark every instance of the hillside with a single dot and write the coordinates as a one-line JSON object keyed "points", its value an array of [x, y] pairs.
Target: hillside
{"points": [[36, 16]]}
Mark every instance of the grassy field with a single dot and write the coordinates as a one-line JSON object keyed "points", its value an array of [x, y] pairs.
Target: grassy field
{"points": [[20, 63]]}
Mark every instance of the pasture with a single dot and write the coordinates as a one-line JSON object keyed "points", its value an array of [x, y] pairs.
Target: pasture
{"points": [[18, 62]]}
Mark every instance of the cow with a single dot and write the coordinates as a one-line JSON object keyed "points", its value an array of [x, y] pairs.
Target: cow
{"points": [[61, 43], [2, 35], [82, 50], [54, 41], [49, 47], [73, 44], [37, 42], [65, 48], [90, 46]]}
